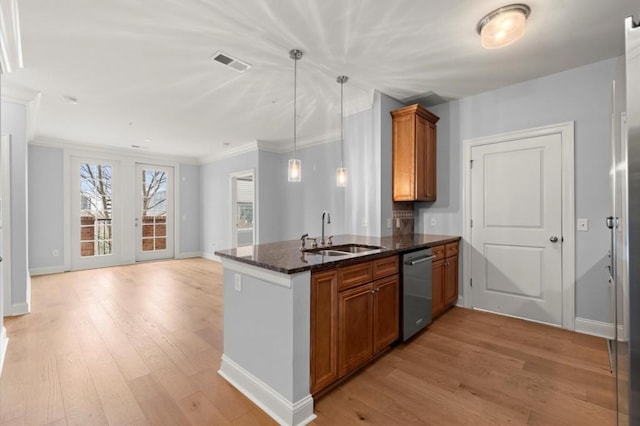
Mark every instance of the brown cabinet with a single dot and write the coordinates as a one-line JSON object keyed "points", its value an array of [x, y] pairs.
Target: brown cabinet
{"points": [[386, 312], [355, 344], [444, 277], [414, 154], [324, 329], [354, 316]]}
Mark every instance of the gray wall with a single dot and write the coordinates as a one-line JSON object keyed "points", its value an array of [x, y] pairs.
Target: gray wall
{"points": [[271, 175], [46, 212], [46, 209], [303, 202], [215, 210], [582, 95], [190, 219], [13, 121]]}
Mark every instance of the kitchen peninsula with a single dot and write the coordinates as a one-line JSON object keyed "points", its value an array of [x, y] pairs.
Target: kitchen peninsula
{"points": [[267, 315]]}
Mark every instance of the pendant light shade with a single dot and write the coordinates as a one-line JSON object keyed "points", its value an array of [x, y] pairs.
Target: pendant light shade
{"points": [[503, 26], [294, 171], [341, 173]]}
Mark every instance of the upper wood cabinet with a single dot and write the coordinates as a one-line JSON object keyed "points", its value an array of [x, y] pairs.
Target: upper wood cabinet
{"points": [[414, 154]]}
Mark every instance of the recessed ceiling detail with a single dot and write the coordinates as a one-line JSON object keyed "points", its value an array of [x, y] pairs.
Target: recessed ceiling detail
{"points": [[231, 62]]}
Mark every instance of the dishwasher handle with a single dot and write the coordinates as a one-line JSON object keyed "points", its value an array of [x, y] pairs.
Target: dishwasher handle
{"points": [[418, 260]]}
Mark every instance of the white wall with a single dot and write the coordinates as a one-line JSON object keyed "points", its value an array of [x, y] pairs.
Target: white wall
{"points": [[13, 121], [582, 95]]}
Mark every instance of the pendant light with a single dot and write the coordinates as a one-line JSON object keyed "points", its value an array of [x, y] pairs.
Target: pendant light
{"points": [[341, 172], [295, 165]]}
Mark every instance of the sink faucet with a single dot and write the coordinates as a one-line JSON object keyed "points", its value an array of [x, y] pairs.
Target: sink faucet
{"points": [[328, 215]]}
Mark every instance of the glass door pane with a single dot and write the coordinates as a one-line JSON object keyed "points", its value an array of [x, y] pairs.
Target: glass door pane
{"points": [[96, 215], [154, 217]]}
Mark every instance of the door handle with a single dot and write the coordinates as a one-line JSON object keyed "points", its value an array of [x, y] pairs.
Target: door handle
{"points": [[420, 260], [553, 239]]}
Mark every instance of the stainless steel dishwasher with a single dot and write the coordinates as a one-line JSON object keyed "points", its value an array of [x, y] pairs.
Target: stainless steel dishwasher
{"points": [[416, 292]]}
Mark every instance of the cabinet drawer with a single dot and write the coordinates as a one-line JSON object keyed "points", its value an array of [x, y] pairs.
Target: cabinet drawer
{"points": [[351, 276], [437, 252], [451, 249], [385, 267]]}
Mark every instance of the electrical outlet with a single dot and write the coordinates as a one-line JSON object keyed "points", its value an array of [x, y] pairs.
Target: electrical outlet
{"points": [[364, 222], [583, 224], [238, 282], [433, 221], [55, 253]]}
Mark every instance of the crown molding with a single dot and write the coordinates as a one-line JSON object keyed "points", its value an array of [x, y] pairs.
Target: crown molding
{"points": [[10, 42], [18, 95], [51, 142], [280, 147], [231, 152]]}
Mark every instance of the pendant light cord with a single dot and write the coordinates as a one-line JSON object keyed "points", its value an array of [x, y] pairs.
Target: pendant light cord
{"points": [[341, 124], [295, 112]]}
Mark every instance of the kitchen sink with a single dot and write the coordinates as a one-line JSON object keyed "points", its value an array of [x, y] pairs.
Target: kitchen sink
{"points": [[343, 250], [355, 248]]}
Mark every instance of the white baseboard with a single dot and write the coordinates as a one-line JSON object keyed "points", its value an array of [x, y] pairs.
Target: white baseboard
{"points": [[189, 254], [597, 328], [46, 270], [4, 343], [211, 256], [275, 405], [18, 309]]}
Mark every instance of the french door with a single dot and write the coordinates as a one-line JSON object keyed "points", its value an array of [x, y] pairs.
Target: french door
{"points": [[96, 224], [154, 219]]}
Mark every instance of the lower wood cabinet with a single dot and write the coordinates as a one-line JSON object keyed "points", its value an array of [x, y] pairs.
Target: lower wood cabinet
{"points": [[324, 329], [355, 330], [349, 327], [444, 277]]}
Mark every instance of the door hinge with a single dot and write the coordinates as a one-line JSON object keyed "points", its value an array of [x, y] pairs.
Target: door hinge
{"points": [[471, 164], [471, 223], [471, 282]]}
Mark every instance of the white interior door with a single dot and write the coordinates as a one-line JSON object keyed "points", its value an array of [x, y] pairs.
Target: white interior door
{"points": [[516, 231], [5, 226], [154, 219]]}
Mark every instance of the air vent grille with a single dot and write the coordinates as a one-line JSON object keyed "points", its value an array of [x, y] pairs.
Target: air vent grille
{"points": [[231, 62]]}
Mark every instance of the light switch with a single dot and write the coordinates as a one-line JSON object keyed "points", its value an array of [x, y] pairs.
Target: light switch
{"points": [[583, 224], [238, 282]]}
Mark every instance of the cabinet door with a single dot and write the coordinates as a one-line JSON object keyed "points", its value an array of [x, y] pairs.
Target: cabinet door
{"points": [[437, 287], [451, 280], [324, 329], [386, 312], [404, 157], [422, 160], [355, 330], [430, 163]]}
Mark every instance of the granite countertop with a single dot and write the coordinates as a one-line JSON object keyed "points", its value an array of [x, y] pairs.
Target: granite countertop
{"points": [[286, 257]]}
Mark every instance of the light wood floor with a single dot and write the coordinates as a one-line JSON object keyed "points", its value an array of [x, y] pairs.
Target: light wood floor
{"points": [[141, 344]]}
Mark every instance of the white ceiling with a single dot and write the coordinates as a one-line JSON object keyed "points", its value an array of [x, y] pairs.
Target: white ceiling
{"points": [[143, 75]]}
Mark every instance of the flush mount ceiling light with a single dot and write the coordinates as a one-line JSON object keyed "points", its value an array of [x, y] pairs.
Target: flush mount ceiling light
{"points": [[341, 173], [503, 26], [295, 165]]}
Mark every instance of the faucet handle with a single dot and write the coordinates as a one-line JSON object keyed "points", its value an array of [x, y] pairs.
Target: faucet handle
{"points": [[302, 240], [314, 244], [330, 240]]}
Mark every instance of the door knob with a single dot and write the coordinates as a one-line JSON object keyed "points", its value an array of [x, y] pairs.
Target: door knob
{"points": [[553, 239]]}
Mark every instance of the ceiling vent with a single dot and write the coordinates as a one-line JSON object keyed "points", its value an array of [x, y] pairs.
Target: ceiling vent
{"points": [[231, 62]]}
